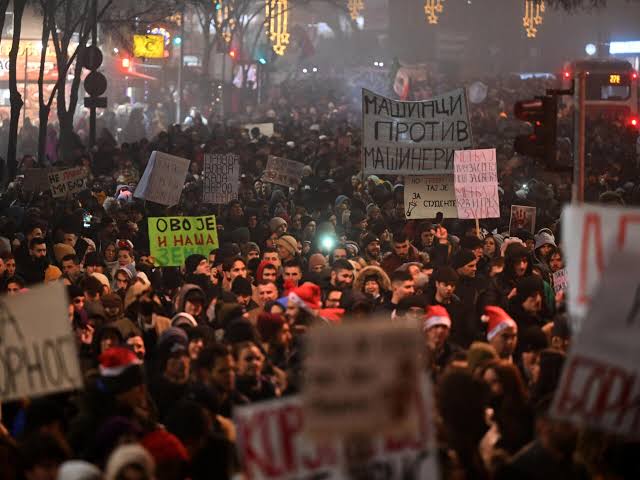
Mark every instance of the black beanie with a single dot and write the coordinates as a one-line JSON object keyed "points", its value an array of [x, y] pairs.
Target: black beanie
{"points": [[528, 286], [241, 286], [461, 258], [192, 262]]}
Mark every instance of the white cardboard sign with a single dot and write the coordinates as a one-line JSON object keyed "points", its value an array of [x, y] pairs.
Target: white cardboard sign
{"points": [[283, 171], [476, 184], [425, 196], [67, 182], [163, 179], [37, 347], [221, 178]]}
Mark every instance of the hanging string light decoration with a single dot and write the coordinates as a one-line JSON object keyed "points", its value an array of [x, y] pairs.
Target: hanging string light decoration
{"points": [[355, 7], [224, 20], [533, 10], [277, 16], [432, 8]]}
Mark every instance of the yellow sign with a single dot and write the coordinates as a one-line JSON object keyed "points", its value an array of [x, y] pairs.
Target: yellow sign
{"points": [[614, 79], [148, 46]]}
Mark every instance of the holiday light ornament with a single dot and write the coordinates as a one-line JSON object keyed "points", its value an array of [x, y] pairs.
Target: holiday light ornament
{"points": [[355, 7], [432, 8], [533, 10], [224, 20], [277, 15]]}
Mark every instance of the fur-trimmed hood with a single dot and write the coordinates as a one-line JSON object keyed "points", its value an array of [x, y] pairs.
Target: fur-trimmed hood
{"points": [[371, 270]]}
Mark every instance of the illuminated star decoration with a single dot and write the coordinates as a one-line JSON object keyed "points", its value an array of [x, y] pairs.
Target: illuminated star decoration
{"points": [[431, 9], [355, 7], [533, 10], [277, 16]]}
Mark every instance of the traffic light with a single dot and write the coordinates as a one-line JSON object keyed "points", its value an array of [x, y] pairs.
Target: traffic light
{"points": [[542, 113], [126, 63]]}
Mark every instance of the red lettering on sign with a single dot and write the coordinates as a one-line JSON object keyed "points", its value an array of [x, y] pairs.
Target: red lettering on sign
{"points": [[198, 239], [178, 241], [210, 240], [254, 457], [290, 423], [591, 221], [161, 241], [187, 241]]}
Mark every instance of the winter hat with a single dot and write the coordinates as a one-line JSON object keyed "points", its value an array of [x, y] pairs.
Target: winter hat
{"points": [[120, 370], [436, 315], [445, 274], [192, 262], [497, 321], [276, 222], [111, 300], [241, 286], [183, 320], [544, 238], [164, 447], [479, 354], [102, 278], [134, 292], [74, 291], [317, 259], [52, 273], [306, 296], [251, 247], [289, 243], [130, 454], [462, 258], [340, 199], [78, 470], [369, 238], [269, 325], [61, 250], [173, 340], [470, 243], [514, 249]]}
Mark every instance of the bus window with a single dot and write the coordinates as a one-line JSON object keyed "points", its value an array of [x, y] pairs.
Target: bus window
{"points": [[608, 86]]}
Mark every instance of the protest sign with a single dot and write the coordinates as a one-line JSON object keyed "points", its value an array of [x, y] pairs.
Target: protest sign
{"points": [[560, 280], [349, 390], [600, 383], [522, 218], [476, 184], [592, 234], [37, 346], [173, 239], [413, 138], [221, 178], [272, 444], [282, 171], [425, 196], [67, 182], [266, 129], [163, 179], [36, 179]]}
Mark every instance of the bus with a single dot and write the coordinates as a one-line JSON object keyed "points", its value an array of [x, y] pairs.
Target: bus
{"points": [[611, 88]]}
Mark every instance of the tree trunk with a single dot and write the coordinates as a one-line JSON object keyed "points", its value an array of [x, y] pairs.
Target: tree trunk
{"points": [[14, 94], [44, 106]]}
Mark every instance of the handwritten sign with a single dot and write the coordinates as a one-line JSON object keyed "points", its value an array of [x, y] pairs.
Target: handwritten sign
{"points": [[173, 239], [37, 347], [349, 391], [413, 138], [600, 383], [592, 235], [522, 218], [282, 171], [221, 178], [425, 196], [273, 445], [476, 184], [560, 280], [163, 179], [67, 182], [266, 129]]}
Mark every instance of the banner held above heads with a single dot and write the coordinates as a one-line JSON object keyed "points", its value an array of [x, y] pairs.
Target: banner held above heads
{"points": [[413, 138], [163, 179], [522, 218], [476, 184], [67, 182], [600, 383], [221, 178], [426, 196], [38, 352], [173, 239], [283, 171], [266, 129]]}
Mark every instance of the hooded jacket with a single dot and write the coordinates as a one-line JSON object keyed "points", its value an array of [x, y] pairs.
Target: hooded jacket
{"points": [[498, 290], [379, 273]]}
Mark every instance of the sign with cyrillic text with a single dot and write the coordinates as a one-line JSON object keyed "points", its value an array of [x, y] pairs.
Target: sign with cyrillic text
{"points": [[476, 184], [560, 280], [266, 129], [163, 179], [522, 218], [221, 178], [38, 352], [272, 444], [413, 138], [283, 171], [67, 182], [426, 196], [600, 383], [173, 239], [593, 234], [348, 390]]}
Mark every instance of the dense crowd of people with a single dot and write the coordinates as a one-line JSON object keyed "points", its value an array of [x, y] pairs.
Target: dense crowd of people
{"points": [[169, 353]]}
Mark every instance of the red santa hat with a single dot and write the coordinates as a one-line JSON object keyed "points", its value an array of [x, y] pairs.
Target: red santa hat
{"points": [[120, 370], [497, 320], [306, 296], [436, 315]]}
